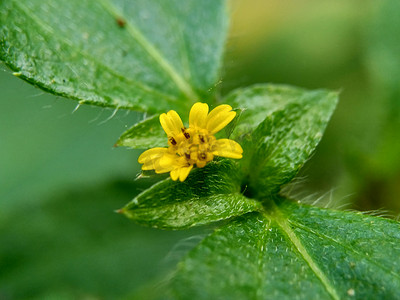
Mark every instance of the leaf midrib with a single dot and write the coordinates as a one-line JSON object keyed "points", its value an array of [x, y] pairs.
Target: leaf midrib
{"points": [[196, 200], [46, 28], [183, 86], [255, 174], [282, 222], [324, 236], [287, 133]]}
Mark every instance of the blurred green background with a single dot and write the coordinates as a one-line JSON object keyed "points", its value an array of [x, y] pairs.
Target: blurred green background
{"points": [[350, 46], [61, 179]]}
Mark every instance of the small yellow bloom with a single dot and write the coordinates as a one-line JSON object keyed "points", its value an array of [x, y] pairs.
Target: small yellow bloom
{"points": [[191, 146]]}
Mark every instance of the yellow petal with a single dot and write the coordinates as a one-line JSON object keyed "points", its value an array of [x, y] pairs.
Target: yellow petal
{"points": [[166, 161], [151, 154], [219, 117], [227, 148], [149, 166], [175, 174], [156, 166], [184, 172], [198, 115], [171, 123], [164, 170]]}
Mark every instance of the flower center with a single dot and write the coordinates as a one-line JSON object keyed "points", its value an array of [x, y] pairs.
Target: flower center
{"points": [[195, 146]]}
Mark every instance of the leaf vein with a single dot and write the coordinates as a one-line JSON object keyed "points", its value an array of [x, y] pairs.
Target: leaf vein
{"points": [[152, 51], [283, 223], [48, 29], [344, 246]]}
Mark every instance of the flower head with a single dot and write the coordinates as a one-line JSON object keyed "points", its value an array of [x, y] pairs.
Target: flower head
{"points": [[195, 145]]}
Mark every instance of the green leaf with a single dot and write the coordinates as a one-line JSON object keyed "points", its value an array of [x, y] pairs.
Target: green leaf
{"points": [[295, 251], [209, 194], [144, 135], [142, 55], [276, 147], [261, 100]]}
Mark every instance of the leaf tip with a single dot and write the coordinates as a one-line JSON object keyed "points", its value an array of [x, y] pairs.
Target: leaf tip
{"points": [[119, 211]]}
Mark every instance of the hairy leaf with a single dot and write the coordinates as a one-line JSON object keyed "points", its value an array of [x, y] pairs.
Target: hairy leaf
{"points": [[295, 251], [142, 55], [143, 135], [209, 194], [280, 128]]}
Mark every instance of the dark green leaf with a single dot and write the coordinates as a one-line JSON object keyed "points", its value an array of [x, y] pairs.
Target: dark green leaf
{"points": [[143, 135], [143, 55], [289, 123], [209, 194], [295, 252]]}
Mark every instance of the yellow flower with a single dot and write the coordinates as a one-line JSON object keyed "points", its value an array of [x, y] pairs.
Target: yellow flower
{"points": [[191, 146]]}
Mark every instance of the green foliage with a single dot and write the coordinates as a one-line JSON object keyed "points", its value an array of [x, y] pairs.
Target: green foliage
{"points": [[145, 134], [154, 56], [209, 194], [274, 151], [277, 147], [142, 55], [294, 251]]}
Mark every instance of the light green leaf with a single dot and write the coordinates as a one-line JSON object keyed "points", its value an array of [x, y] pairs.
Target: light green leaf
{"points": [[277, 146], [295, 252], [144, 135], [142, 55], [209, 194]]}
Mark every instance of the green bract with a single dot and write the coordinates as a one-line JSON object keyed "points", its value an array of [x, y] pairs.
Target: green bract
{"points": [[154, 56]]}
